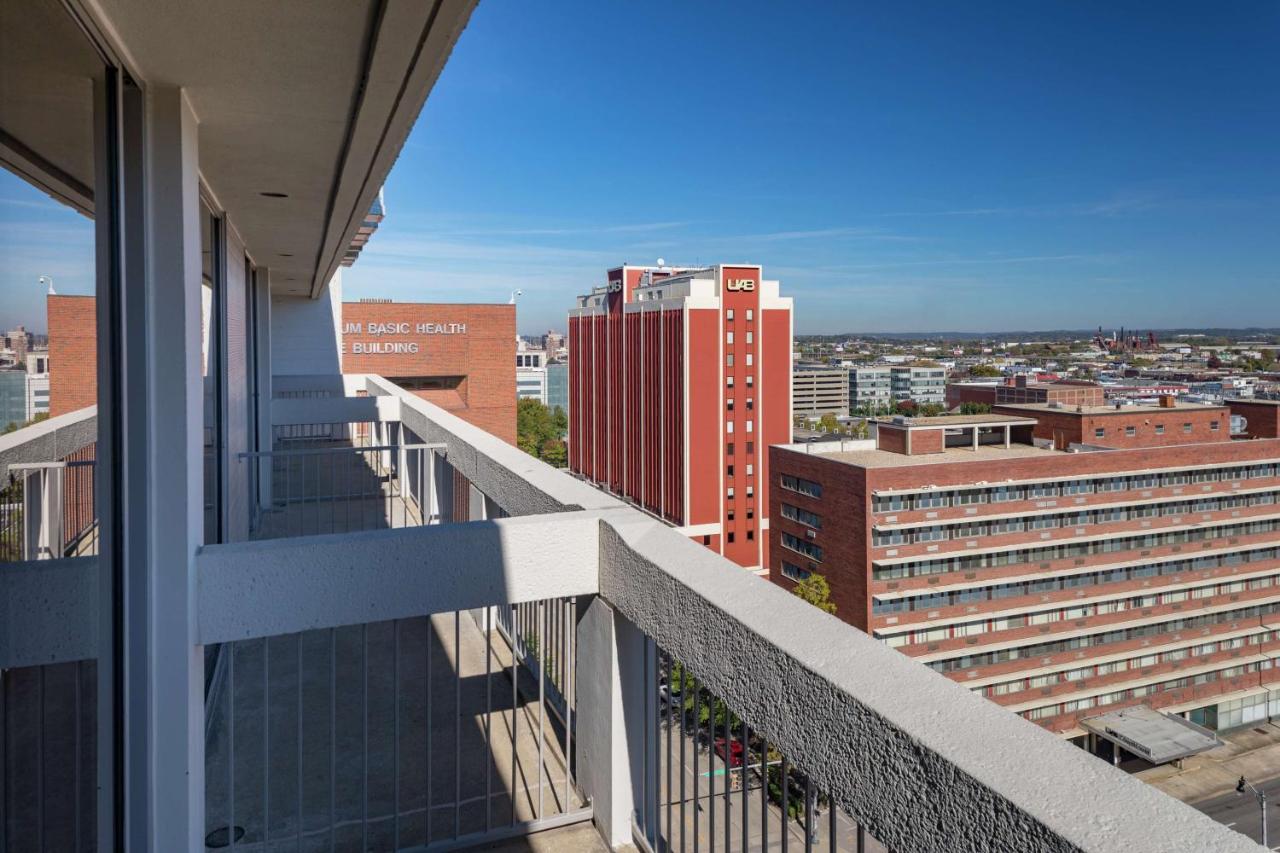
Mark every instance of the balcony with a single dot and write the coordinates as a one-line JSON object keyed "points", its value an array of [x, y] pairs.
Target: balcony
{"points": [[433, 641]]}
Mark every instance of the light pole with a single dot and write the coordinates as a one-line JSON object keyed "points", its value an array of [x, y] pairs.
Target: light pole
{"points": [[1262, 804]]}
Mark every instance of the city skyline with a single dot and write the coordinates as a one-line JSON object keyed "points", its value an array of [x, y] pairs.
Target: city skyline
{"points": [[896, 182]]}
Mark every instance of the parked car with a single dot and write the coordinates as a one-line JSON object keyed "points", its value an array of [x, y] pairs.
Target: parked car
{"points": [[734, 756]]}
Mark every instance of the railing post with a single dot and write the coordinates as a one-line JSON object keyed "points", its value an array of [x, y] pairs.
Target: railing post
{"points": [[610, 716]]}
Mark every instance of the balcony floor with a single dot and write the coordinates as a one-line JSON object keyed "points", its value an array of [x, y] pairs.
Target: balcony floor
{"points": [[382, 700]]}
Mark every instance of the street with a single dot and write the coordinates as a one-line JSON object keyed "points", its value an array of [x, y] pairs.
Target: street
{"points": [[1241, 813]]}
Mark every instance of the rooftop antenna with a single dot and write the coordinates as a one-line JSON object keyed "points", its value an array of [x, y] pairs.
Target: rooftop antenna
{"points": [[48, 280]]}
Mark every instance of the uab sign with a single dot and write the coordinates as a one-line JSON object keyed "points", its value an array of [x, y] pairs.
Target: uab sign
{"points": [[740, 284]]}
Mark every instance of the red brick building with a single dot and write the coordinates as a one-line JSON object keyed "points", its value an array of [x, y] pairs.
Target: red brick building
{"points": [[73, 353], [679, 379], [460, 357], [1016, 389], [1061, 585]]}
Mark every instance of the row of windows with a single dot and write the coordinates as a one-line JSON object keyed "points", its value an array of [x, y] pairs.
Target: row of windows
{"points": [[751, 448], [1067, 550], [802, 486], [791, 570], [751, 380], [729, 492], [972, 529], [802, 546], [1132, 430], [751, 314], [750, 426], [728, 337], [751, 404], [1066, 614], [803, 516], [750, 360], [1087, 641], [1067, 488], [1144, 690], [751, 469], [935, 600], [1018, 685]]}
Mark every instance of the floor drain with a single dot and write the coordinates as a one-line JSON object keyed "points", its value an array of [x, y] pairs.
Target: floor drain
{"points": [[220, 837], [1262, 731]]}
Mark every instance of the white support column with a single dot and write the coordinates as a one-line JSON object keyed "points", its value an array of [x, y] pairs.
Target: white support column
{"points": [[611, 717], [262, 340], [169, 669]]}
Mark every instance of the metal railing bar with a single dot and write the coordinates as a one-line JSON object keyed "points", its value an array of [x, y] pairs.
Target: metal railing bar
{"points": [[570, 663], [697, 731], [515, 701], [333, 738], [430, 730], [542, 704], [516, 829], [457, 723], [488, 717], [728, 780], [298, 828], [230, 651], [395, 746], [338, 449], [364, 725], [266, 741]]}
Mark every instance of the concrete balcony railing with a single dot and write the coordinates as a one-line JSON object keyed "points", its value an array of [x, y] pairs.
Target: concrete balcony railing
{"points": [[538, 654]]}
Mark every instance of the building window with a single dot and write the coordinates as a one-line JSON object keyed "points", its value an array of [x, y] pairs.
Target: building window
{"points": [[729, 449], [750, 337], [801, 546], [750, 359], [751, 469], [1186, 427], [1213, 425], [751, 447], [751, 426], [1099, 433], [729, 471], [728, 360], [804, 487], [728, 381], [730, 537], [728, 404], [728, 337], [751, 513], [728, 426], [751, 315], [751, 380], [1159, 429], [729, 493], [728, 516], [751, 491], [706, 540], [1131, 430], [794, 572], [751, 534], [728, 314], [803, 516], [751, 404]]}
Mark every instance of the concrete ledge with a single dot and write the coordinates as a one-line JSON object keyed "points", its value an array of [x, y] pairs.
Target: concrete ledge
{"points": [[48, 611], [281, 586], [49, 440], [922, 762], [517, 482]]}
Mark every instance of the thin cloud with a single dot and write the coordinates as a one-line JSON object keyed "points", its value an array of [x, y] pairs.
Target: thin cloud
{"points": [[632, 228]]}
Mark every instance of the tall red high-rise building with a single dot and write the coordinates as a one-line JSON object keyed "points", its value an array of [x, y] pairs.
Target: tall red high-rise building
{"points": [[679, 380]]}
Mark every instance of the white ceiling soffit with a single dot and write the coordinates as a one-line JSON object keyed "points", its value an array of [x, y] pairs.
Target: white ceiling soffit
{"points": [[311, 99]]}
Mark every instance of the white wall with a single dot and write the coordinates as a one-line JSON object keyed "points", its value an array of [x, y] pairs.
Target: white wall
{"points": [[306, 333]]}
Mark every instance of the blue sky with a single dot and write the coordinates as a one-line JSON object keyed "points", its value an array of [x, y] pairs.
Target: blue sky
{"points": [[897, 166]]}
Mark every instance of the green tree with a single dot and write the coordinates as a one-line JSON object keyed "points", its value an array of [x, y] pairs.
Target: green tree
{"points": [[828, 423], [931, 410], [815, 590], [985, 370], [975, 408], [536, 427], [555, 453]]}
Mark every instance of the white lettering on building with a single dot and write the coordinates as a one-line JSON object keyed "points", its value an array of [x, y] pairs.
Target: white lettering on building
{"points": [[745, 284]]}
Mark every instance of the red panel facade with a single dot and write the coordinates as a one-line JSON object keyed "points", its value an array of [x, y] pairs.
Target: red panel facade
{"points": [[655, 357]]}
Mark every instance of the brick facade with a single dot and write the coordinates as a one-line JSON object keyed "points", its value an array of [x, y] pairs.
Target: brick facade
{"points": [[73, 353], [467, 353], [1209, 572], [1127, 426]]}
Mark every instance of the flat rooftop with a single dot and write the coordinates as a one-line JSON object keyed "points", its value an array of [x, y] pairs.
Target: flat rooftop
{"points": [[984, 453], [954, 420], [1037, 408]]}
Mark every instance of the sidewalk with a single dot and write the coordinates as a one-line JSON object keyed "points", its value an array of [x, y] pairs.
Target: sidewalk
{"points": [[1252, 752]]}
